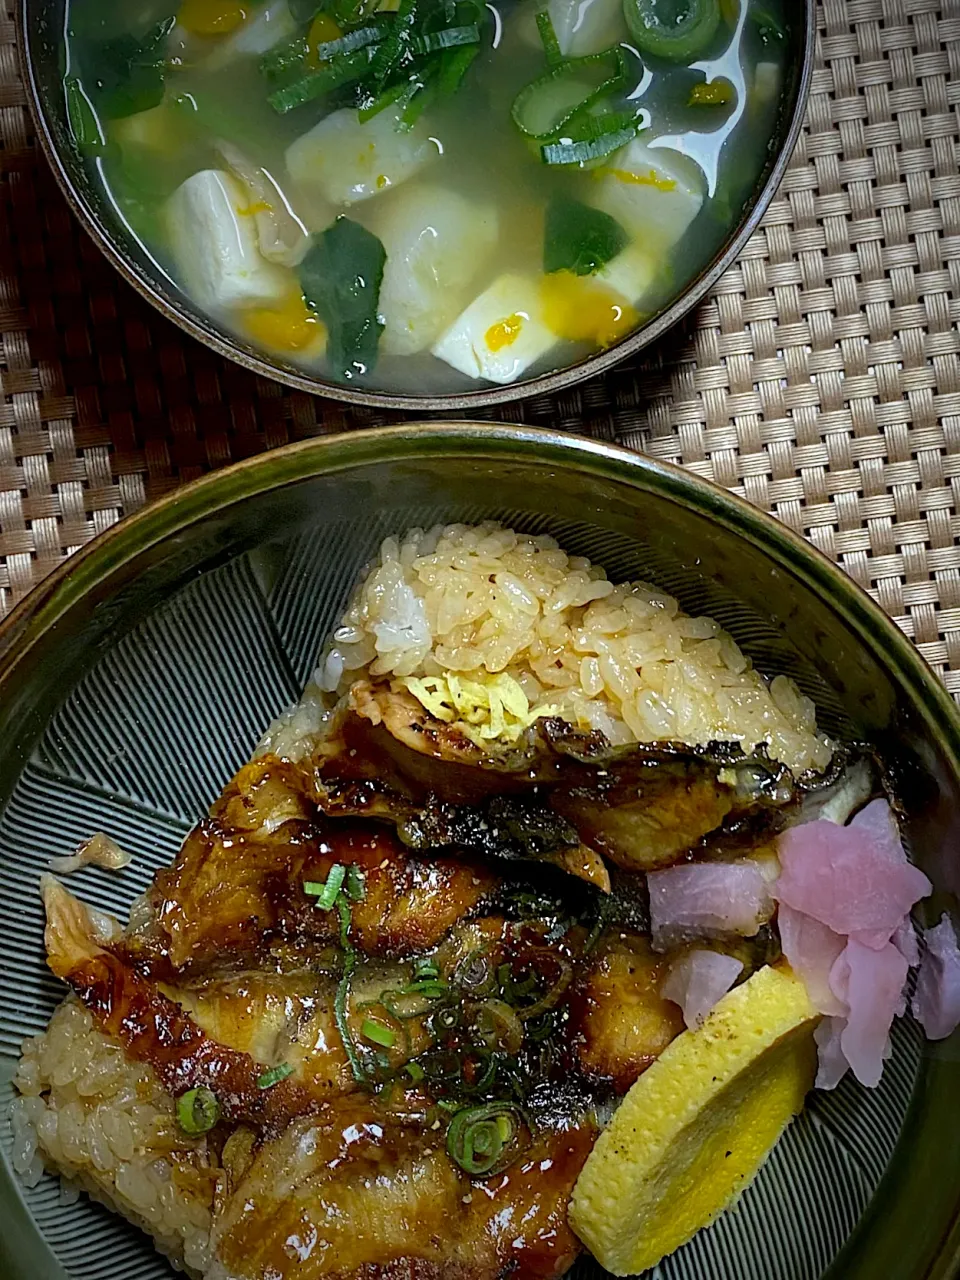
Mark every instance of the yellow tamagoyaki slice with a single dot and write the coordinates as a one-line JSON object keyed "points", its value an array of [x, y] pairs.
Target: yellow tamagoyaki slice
{"points": [[695, 1128]]}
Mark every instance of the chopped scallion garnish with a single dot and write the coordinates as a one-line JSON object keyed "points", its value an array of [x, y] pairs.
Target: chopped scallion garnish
{"points": [[414, 1071], [197, 1111], [326, 891], [355, 884], [274, 1075], [377, 1033]]}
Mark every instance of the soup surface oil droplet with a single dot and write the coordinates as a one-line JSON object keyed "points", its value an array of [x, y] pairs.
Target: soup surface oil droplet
{"points": [[211, 17], [505, 332], [584, 310]]}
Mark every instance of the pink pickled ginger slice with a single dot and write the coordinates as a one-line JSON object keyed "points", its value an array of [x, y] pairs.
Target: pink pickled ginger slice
{"points": [[706, 900], [832, 1065], [936, 1001], [869, 982], [812, 950], [856, 879], [698, 980]]}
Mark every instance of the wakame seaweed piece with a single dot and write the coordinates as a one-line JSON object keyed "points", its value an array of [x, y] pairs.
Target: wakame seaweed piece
{"points": [[579, 238], [542, 108], [674, 30], [304, 10], [592, 137], [126, 75], [347, 68], [340, 278]]}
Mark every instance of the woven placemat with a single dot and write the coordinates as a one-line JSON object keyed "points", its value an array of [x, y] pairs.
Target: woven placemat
{"points": [[820, 380]]}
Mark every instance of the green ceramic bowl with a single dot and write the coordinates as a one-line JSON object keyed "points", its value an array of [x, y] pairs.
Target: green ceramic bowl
{"points": [[139, 676]]}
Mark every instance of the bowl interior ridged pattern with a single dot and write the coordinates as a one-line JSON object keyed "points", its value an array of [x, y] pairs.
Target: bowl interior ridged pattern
{"points": [[165, 687]]}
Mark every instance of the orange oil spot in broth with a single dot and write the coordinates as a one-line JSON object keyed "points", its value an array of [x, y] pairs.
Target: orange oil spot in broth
{"points": [[584, 310], [211, 17], [505, 332]]}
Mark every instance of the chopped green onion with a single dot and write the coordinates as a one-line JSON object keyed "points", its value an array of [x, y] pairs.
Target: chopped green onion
{"points": [[377, 1033], [326, 892], [487, 1139], [197, 1111], [395, 43], [605, 134], [414, 1071], [355, 887], [344, 69], [426, 968], [454, 65], [371, 107], [544, 106], [432, 988], [274, 1075], [342, 997], [676, 37], [351, 41], [449, 38], [548, 38]]}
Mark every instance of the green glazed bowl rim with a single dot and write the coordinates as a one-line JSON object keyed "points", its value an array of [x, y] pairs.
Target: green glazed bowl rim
{"points": [[180, 312], [875, 1239]]}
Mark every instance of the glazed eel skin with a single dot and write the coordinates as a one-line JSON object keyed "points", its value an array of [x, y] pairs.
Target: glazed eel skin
{"points": [[229, 970]]}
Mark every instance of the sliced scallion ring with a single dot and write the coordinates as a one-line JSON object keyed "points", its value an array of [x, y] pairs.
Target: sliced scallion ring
{"points": [[592, 139], [197, 1111], [544, 106], [674, 30], [485, 1140]]}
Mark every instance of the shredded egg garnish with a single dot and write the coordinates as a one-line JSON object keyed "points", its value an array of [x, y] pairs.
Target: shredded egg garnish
{"points": [[505, 332], [211, 17], [584, 310], [289, 326], [491, 707]]}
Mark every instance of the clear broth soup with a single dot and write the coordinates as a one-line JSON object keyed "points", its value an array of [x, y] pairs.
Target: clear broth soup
{"points": [[427, 196]]}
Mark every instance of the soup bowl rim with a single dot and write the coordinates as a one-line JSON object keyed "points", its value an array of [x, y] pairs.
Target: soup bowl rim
{"points": [[550, 383]]}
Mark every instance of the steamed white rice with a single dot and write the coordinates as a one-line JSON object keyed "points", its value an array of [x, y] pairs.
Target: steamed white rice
{"points": [[105, 1123], [483, 603]]}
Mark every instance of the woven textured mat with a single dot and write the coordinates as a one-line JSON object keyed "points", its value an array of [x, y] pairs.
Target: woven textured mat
{"points": [[821, 380]]}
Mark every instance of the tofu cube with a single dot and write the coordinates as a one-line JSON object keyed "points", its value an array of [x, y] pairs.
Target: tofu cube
{"points": [[436, 243], [271, 24], [654, 193], [630, 273], [343, 161], [501, 333], [214, 244]]}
